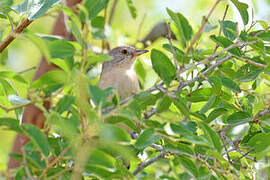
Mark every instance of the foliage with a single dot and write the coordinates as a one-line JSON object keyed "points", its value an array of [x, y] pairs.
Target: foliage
{"points": [[205, 117]]}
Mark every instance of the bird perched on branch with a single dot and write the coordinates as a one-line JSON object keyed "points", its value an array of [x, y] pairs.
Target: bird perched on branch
{"points": [[119, 72]]}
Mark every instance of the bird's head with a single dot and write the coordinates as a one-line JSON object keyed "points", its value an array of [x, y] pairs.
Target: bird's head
{"points": [[125, 54]]}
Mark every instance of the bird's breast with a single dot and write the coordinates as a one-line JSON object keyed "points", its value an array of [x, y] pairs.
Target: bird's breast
{"points": [[124, 81]]}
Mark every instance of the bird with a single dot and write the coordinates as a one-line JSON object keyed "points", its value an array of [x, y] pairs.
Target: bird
{"points": [[119, 72]]}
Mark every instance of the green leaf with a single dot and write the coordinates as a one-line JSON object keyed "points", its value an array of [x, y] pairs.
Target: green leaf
{"points": [[211, 136], [34, 9], [12, 75], [177, 50], [180, 148], [64, 104], [248, 73], [100, 171], [51, 81], [163, 66], [216, 83], [229, 29], [264, 36], [61, 49], [215, 113], [33, 157], [94, 7], [164, 104], [114, 134], [11, 124], [98, 22], [140, 71], [209, 104], [262, 23], [242, 8], [189, 165], [125, 120], [75, 31], [260, 143], [98, 95], [38, 138], [8, 88], [125, 116], [98, 157], [40, 44], [67, 127], [179, 103], [146, 139], [202, 94], [230, 84], [132, 9], [196, 140], [183, 26], [239, 118], [64, 64], [180, 129], [267, 69], [224, 42]]}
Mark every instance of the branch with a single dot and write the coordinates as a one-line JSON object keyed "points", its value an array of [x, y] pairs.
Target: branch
{"points": [[243, 155], [198, 34], [220, 61], [236, 44], [7, 109], [262, 31], [147, 163], [261, 114], [11, 36], [251, 62], [222, 136]]}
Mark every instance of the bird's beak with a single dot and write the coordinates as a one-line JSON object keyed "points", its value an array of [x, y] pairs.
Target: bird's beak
{"points": [[139, 52]]}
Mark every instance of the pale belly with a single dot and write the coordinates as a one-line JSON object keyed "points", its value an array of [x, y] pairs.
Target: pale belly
{"points": [[125, 82]]}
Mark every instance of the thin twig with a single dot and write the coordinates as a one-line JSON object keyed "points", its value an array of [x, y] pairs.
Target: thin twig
{"points": [[262, 31], [149, 114], [60, 173], [261, 114], [148, 162], [140, 27], [243, 155], [55, 161], [219, 33], [198, 34], [26, 70], [248, 157], [112, 12], [173, 50], [236, 44], [222, 136], [7, 109], [26, 167], [12, 35], [251, 62]]}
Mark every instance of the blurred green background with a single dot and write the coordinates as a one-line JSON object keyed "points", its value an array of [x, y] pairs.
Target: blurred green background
{"points": [[23, 54]]}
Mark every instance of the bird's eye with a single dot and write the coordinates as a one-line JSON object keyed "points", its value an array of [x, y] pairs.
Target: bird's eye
{"points": [[124, 51]]}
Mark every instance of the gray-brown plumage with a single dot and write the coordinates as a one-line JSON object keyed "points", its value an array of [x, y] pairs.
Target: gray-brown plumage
{"points": [[119, 72]]}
